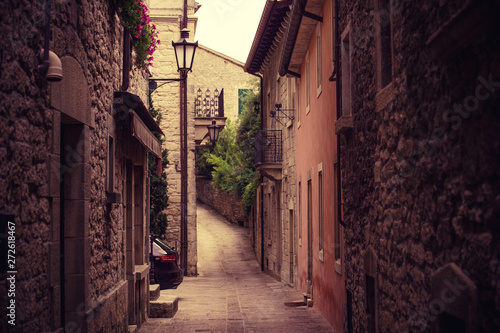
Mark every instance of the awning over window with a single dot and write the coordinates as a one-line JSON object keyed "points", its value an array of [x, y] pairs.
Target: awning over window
{"points": [[131, 110], [144, 135]]}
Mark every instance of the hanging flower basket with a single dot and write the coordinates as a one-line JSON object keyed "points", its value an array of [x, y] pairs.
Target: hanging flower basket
{"points": [[135, 17]]}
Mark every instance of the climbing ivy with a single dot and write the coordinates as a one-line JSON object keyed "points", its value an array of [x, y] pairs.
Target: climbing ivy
{"points": [[158, 183]]}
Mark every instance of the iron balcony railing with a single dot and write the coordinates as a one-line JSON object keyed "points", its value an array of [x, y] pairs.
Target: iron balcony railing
{"points": [[209, 104], [268, 147]]}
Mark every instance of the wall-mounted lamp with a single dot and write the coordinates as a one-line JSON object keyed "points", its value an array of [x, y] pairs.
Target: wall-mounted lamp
{"points": [[51, 65], [282, 115], [256, 107], [50, 62], [213, 131], [184, 52]]}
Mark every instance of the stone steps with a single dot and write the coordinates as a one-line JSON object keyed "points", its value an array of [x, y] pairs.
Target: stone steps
{"points": [[164, 307], [154, 292]]}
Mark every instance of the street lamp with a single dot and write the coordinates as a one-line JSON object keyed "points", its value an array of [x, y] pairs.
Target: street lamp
{"points": [[213, 131], [184, 52], [184, 55]]}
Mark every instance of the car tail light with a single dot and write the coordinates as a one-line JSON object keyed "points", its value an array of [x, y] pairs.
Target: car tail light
{"points": [[167, 258]]}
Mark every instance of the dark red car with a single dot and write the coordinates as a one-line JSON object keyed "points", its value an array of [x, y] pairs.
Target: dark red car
{"points": [[166, 270]]}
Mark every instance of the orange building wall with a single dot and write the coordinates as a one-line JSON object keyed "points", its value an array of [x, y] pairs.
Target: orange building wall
{"points": [[316, 144]]}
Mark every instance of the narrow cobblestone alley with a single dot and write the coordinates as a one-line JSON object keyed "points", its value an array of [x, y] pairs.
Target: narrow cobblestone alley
{"points": [[231, 294]]}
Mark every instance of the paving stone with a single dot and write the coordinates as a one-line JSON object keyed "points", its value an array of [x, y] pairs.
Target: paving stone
{"points": [[231, 293]]}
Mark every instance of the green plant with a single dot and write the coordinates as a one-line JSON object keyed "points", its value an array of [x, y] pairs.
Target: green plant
{"points": [[158, 183], [135, 17], [232, 161]]}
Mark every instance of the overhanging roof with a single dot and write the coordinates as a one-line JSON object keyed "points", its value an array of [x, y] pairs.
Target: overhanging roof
{"points": [[299, 32], [270, 23]]}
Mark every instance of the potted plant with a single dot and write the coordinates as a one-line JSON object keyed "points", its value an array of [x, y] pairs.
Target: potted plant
{"points": [[135, 17]]}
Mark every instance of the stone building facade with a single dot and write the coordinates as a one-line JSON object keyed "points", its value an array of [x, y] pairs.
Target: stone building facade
{"points": [[308, 52], [300, 103], [274, 225], [73, 174], [168, 18], [225, 203], [212, 71], [420, 165]]}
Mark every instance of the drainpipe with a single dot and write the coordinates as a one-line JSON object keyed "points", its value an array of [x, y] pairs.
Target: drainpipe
{"points": [[184, 153], [46, 43], [262, 223], [338, 106], [261, 178], [126, 60]]}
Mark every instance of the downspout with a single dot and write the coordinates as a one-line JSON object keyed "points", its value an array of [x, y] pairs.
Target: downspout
{"points": [[126, 60], [185, 20], [44, 66], [262, 223], [261, 179], [339, 105], [336, 77], [183, 148]]}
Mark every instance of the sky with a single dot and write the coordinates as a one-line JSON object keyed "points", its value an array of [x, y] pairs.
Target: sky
{"points": [[229, 26]]}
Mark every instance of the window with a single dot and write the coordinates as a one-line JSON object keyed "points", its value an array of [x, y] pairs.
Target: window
{"points": [[308, 88], [346, 71], [384, 41], [370, 303], [309, 230], [278, 90], [290, 93], [298, 102], [336, 223], [320, 212], [451, 323], [300, 213], [371, 291], [318, 60], [242, 94]]}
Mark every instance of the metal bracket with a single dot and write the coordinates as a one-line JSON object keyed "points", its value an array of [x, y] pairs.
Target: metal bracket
{"points": [[153, 83], [333, 77], [281, 115], [312, 16]]}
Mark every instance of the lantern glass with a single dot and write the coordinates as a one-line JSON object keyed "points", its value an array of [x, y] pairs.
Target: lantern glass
{"points": [[184, 51], [213, 131]]}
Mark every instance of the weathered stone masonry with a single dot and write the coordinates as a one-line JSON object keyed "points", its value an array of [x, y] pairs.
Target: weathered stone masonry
{"points": [[68, 168], [420, 167]]}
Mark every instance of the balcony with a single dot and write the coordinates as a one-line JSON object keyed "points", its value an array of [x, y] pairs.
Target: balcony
{"points": [[269, 153], [209, 105]]}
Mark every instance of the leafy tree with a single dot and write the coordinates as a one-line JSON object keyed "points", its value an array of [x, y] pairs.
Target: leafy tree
{"points": [[231, 162], [158, 184]]}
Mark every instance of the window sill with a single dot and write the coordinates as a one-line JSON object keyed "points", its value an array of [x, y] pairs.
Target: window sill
{"points": [[338, 266], [344, 124], [113, 197], [384, 97]]}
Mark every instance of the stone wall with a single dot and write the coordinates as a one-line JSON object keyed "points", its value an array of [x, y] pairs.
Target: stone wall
{"points": [[167, 99], [213, 70], [420, 168], [24, 162], [37, 153], [226, 203], [279, 193]]}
